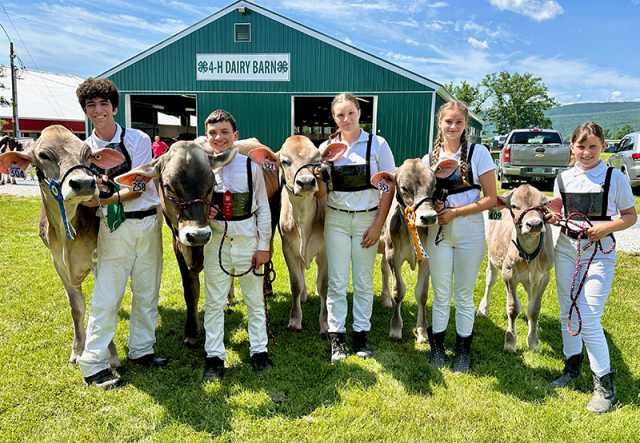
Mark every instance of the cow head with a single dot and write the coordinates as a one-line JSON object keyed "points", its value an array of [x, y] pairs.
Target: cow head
{"points": [[520, 202], [185, 181], [415, 186], [300, 166], [61, 156]]}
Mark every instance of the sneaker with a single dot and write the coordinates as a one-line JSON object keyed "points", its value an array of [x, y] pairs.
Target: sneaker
{"points": [[213, 369], [360, 345], [338, 347], [261, 361], [105, 379], [150, 361]]}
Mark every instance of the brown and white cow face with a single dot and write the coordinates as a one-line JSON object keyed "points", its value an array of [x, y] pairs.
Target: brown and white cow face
{"points": [[518, 200], [185, 181], [296, 152], [56, 152]]}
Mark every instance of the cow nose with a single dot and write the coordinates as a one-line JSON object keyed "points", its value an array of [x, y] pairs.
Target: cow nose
{"points": [[534, 223], [199, 237], [82, 183], [306, 181], [428, 219]]}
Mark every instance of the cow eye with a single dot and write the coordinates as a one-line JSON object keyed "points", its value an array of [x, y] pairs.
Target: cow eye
{"points": [[285, 161], [515, 207], [404, 189], [169, 190], [44, 156]]}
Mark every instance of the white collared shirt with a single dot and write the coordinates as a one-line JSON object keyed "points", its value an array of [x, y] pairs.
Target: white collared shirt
{"points": [[233, 178], [356, 154], [138, 145], [579, 180]]}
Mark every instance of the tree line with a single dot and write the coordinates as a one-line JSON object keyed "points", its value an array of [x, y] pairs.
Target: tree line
{"points": [[514, 100]]}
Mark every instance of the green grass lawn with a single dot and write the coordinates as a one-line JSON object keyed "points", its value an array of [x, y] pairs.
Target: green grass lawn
{"points": [[394, 396]]}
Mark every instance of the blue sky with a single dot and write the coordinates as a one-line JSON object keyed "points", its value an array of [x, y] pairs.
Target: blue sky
{"points": [[583, 50]]}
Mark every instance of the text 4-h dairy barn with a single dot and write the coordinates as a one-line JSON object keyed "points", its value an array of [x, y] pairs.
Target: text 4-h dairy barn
{"points": [[278, 78]]}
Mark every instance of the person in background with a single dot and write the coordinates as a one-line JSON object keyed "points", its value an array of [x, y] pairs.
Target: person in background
{"points": [[158, 147]]}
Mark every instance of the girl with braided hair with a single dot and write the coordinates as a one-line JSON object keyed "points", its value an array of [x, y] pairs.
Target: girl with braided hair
{"points": [[456, 254]]}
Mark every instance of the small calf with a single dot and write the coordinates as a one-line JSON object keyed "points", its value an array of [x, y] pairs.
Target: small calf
{"points": [[521, 248]]}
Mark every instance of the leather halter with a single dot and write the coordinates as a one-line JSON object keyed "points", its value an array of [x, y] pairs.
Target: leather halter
{"points": [[529, 256]]}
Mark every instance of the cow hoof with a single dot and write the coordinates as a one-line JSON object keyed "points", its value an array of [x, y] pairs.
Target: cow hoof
{"points": [[295, 327], [482, 312], [421, 335], [533, 343], [114, 361], [324, 335], [395, 335], [190, 342], [73, 359], [509, 342]]}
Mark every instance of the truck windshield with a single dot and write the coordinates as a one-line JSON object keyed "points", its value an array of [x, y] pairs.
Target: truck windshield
{"points": [[534, 138]]}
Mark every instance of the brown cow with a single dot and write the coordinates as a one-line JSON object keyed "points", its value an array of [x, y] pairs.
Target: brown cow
{"points": [[521, 250], [184, 180], [415, 185], [63, 159]]}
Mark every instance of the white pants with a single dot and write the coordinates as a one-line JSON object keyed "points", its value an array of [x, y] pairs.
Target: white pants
{"points": [[343, 233], [590, 302], [455, 262], [236, 258], [133, 250]]}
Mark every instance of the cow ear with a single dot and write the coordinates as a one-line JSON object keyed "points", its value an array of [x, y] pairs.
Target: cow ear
{"points": [[333, 152], [265, 157], [146, 173], [445, 167], [383, 180], [106, 158], [504, 200], [219, 160], [18, 158], [555, 204]]}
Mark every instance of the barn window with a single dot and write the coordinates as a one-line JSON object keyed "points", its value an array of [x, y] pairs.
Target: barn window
{"points": [[242, 32]]}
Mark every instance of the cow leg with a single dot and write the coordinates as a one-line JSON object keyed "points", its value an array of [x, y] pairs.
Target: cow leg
{"points": [[395, 329], [43, 226], [533, 310], [386, 293], [513, 309], [77, 305], [298, 286], [191, 288], [491, 273], [422, 288], [322, 284]]}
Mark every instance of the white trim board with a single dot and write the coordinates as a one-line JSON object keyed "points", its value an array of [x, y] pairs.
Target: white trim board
{"points": [[296, 93], [285, 21]]}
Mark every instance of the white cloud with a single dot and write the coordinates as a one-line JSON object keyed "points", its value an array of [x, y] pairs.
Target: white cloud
{"points": [[478, 44], [438, 25], [615, 95], [437, 5], [538, 10]]}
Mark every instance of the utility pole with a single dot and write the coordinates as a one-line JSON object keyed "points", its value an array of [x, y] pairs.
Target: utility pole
{"points": [[14, 92]]}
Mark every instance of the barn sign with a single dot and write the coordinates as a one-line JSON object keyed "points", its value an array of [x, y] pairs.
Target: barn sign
{"points": [[243, 67]]}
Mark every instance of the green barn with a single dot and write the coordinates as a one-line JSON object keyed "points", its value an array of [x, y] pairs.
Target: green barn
{"points": [[277, 77]]}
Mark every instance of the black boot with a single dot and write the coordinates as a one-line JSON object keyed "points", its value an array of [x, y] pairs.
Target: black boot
{"points": [[604, 394], [462, 357], [360, 345], [572, 368], [436, 342], [338, 347]]}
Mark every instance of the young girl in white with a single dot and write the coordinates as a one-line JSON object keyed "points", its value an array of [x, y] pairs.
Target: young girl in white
{"points": [[457, 251], [355, 215], [599, 192]]}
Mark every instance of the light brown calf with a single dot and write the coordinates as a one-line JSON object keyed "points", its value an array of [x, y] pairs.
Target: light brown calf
{"points": [[521, 250]]}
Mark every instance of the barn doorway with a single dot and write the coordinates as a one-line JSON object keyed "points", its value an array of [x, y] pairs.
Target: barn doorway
{"points": [[312, 116], [172, 117]]}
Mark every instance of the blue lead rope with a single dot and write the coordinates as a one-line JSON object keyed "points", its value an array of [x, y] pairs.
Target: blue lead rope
{"points": [[56, 190]]}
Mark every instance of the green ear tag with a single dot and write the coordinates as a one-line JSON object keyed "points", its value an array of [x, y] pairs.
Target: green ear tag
{"points": [[115, 214], [495, 214]]}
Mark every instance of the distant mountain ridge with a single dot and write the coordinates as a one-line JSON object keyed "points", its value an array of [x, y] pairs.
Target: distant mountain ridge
{"points": [[610, 115]]}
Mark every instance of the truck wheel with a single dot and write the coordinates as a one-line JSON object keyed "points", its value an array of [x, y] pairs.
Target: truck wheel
{"points": [[504, 183]]}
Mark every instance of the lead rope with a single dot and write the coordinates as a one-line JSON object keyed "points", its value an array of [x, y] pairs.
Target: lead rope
{"points": [[269, 271], [409, 216], [581, 231]]}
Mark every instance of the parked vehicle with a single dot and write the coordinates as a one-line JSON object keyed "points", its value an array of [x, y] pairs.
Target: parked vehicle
{"points": [[532, 155], [626, 157]]}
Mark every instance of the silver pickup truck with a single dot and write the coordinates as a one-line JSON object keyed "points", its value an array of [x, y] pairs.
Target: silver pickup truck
{"points": [[532, 155]]}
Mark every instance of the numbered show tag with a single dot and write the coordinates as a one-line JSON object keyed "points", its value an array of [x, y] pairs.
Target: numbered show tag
{"points": [[495, 214], [138, 184], [16, 172], [383, 186], [268, 165]]}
